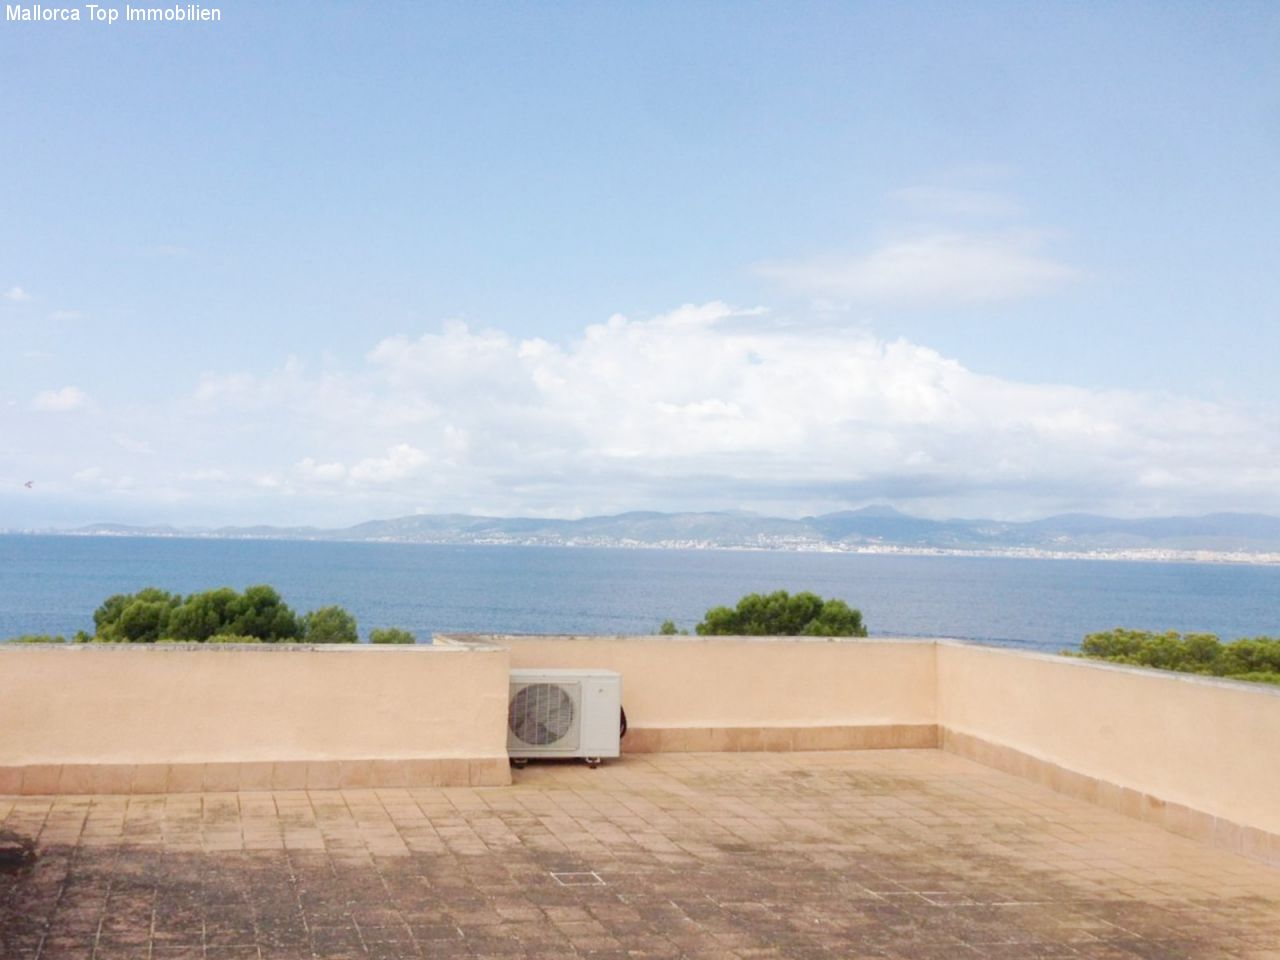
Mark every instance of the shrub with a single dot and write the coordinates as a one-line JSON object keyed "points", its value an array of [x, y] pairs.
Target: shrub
{"points": [[1256, 658], [391, 635], [329, 625], [142, 617], [782, 614], [1252, 655], [107, 615], [38, 638], [1256, 677], [260, 612], [258, 615], [202, 615]]}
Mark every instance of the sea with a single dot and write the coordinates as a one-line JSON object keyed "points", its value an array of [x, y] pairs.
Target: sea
{"points": [[52, 584]]}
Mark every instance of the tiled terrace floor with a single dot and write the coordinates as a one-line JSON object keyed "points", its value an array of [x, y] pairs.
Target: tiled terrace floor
{"points": [[914, 854]]}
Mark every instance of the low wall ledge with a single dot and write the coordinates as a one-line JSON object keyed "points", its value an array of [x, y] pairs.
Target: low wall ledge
{"points": [[500, 638], [1147, 673], [376, 649]]}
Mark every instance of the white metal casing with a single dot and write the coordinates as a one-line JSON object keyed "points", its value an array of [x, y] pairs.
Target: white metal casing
{"points": [[564, 713]]}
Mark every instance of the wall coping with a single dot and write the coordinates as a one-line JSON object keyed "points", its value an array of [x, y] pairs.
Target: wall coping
{"points": [[192, 647], [499, 638], [447, 643], [1149, 673]]}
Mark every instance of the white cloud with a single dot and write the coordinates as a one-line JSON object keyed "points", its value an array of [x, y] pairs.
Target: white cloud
{"points": [[132, 444], [702, 407], [932, 269], [100, 479], [63, 315], [60, 401], [18, 295], [215, 387], [401, 462], [952, 244], [324, 472]]}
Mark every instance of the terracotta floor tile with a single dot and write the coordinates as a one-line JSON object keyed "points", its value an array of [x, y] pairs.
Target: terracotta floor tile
{"points": [[862, 854]]}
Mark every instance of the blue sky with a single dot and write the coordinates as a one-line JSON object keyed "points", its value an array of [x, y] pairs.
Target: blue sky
{"points": [[320, 262]]}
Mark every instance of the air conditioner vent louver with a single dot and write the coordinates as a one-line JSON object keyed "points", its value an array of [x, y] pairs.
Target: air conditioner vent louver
{"points": [[541, 714], [563, 713]]}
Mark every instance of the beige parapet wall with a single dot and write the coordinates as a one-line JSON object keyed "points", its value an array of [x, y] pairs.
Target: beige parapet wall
{"points": [[757, 693], [108, 718], [1196, 755]]}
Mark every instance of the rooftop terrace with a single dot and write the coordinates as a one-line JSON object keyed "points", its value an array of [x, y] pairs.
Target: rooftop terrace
{"points": [[904, 853], [779, 797]]}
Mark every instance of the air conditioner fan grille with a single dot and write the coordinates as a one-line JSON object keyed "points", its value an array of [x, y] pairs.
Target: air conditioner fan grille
{"points": [[541, 714]]}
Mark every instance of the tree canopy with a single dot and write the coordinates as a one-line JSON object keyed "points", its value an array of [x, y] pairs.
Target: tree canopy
{"points": [[391, 635], [1251, 658], [259, 614], [329, 625], [783, 614]]}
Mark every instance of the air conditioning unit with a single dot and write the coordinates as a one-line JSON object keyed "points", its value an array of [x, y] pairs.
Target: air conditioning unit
{"points": [[564, 713]]}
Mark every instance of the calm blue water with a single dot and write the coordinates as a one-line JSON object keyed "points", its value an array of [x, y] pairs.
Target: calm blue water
{"points": [[53, 585]]}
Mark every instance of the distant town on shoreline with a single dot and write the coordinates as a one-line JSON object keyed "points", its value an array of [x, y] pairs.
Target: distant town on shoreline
{"points": [[1218, 538]]}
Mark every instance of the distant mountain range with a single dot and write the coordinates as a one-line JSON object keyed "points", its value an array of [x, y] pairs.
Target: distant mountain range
{"points": [[869, 529]]}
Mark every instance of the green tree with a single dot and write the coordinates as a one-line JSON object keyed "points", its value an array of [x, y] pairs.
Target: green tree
{"points": [[107, 616], [783, 614], [391, 635], [260, 612], [1256, 658], [329, 625], [258, 615], [143, 621], [141, 617], [1252, 655], [202, 615], [836, 619]]}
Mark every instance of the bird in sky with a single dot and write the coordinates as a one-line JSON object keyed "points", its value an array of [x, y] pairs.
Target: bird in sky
{"points": [[29, 484]]}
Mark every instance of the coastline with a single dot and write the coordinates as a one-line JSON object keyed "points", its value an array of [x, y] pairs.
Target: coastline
{"points": [[764, 545]]}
